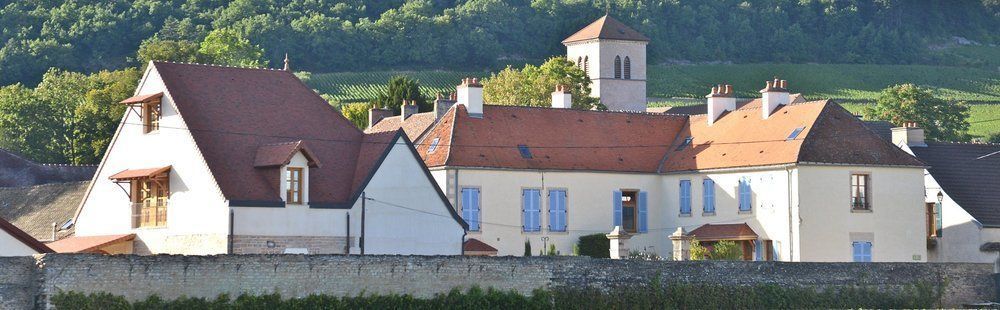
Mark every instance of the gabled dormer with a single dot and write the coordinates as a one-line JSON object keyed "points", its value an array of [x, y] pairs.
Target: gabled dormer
{"points": [[292, 160], [148, 108]]}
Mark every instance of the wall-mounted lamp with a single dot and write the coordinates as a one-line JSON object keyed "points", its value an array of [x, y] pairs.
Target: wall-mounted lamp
{"points": [[940, 197]]}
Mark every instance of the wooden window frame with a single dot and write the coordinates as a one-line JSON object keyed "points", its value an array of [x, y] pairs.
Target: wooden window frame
{"points": [[294, 196], [635, 210], [151, 114], [866, 205], [150, 198]]}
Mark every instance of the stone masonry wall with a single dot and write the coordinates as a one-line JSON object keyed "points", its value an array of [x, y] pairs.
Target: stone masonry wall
{"points": [[315, 244], [26, 282]]}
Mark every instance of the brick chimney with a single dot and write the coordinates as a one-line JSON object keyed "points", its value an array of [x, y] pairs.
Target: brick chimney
{"points": [[470, 94], [407, 109], [720, 100], [376, 114], [775, 94], [442, 104], [909, 135], [562, 98]]}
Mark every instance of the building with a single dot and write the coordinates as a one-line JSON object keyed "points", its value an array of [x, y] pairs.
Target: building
{"points": [[211, 160], [43, 211], [792, 180], [15, 242], [962, 196], [17, 171], [614, 57]]}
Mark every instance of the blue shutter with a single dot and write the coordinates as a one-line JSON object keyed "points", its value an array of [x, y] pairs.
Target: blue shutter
{"points": [[557, 210], [531, 211], [470, 207], [759, 249], [856, 251], [746, 195], [536, 210], [616, 203], [708, 190], [643, 226], [685, 197]]}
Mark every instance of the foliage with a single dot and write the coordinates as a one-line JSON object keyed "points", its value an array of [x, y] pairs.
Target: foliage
{"points": [[401, 88], [940, 119], [640, 296], [533, 85], [68, 118], [527, 247], [169, 50], [727, 250], [994, 138], [643, 255], [367, 86], [323, 36], [595, 245], [227, 47], [357, 113], [552, 250], [698, 251]]}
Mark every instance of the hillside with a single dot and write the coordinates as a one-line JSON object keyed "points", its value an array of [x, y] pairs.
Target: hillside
{"points": [[847, 83]]}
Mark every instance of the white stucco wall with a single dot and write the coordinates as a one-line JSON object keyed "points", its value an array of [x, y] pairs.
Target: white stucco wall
{"points": [[10, 246], [406, 215], [961, 235], [617, 94], [896, 222], [197, 213]]}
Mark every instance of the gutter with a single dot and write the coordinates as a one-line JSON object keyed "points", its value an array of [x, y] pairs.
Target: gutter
{"points": [[791, 235]]}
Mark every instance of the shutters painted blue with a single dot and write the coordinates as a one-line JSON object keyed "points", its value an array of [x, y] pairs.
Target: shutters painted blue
{"points": [[685, 196], [616, 203], [708, 188], [470, 207], [758, 249], [746, 195], [557, 210], [643, 214], [532, 212]]}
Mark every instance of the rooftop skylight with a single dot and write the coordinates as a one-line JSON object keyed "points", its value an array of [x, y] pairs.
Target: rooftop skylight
{"points": [[795, 133], [687, 141], [525, 152]]}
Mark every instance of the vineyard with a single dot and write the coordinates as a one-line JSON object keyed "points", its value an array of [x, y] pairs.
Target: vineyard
{"points": [[853, 85]]}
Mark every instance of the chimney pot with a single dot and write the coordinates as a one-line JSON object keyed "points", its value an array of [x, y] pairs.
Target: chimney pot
{"points": [[719, 102], [562, 98], [909, 134], [729, 89], [773, 96], [470, 94]]}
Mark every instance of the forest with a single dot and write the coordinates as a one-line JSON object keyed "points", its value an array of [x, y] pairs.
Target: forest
{"points": [[356, 35]]}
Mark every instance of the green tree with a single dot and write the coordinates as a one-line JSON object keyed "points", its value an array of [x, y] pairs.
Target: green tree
{"points": [[533, 85], [168, 50], [993, 138], [401, 88], [357, 113], [727, 250], [527, 248], [227, 47], [940, 119], [698, 251]]}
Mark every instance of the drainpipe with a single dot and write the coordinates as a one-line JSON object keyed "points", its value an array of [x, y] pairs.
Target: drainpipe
{"points": [[361, 241], [791, 235], [229, 247], [347, 245]]}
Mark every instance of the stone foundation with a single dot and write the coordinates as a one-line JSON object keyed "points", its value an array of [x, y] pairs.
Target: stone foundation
{"points": [[278, 244]]}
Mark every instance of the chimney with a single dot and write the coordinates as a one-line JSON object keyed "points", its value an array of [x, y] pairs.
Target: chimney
{"points": [[407, 109], [442, 104], [376, 114], [909, 135], [720, 100], [287, 67], [54, 225], [562, 98], [775, 94], [470, 94]]}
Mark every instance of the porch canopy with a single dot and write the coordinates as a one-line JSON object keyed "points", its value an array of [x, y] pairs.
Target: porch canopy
{"points": [[719, 232], [90, 244], [132, 174], [142, 98]]}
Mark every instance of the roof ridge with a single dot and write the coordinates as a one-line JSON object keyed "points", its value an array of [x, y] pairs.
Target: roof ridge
{"points": [[218, 65], [42, 185], [967, 143], [282, 143], [591, 111]]}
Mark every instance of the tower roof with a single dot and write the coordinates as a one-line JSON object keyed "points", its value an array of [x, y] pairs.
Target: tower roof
{"points": [[606, 27]]}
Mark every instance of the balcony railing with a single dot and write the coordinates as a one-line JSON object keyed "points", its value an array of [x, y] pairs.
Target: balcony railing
{"points": [[150, 213]]}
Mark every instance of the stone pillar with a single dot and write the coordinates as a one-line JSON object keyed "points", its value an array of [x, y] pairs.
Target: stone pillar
{"points": [[682, 244], [618, 238]]}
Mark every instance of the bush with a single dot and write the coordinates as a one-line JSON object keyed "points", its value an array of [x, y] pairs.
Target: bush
{"points": [[596, 246], [527, 248]]}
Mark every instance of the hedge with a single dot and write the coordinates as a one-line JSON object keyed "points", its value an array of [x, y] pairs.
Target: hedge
{"points": [[596, 246]]}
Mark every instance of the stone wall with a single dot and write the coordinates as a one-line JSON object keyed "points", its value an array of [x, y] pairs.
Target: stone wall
{"points": [[278, 244], [25, 282]]}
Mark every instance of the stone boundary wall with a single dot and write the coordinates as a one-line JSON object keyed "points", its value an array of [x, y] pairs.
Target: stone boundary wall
{"points": [[27, 282]]}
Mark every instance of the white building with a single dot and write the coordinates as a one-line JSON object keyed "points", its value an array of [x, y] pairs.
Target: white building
{"points": [[788, 179], [211, 160], [16, 242], [962, 196], [614, 57]]}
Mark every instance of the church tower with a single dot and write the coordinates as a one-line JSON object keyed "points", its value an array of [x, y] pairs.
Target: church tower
{"points": [[614, 57]]}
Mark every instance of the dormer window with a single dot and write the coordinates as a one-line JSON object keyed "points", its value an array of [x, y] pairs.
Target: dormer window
{"points": [[149, 192], [293, 175], [150, 111]]}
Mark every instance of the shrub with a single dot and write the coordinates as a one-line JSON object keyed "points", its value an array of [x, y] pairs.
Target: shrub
{"points": [[595, 245], [527, 248]]}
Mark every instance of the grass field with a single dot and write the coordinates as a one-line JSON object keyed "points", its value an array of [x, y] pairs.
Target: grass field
{"points": [[852, 85]]}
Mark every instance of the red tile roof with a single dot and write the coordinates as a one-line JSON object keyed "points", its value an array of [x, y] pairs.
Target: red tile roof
{"points": [[129, 174], [233, 112], [88, 244], [280, 154], [141, 98], [606, 27], [414, 126], [716, 232], [474, 246], [24, 237], [563, 139]]}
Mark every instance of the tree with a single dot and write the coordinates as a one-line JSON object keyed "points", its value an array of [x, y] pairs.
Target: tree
{"points": [[533, 85], [527, 248], [727, 250], [401, 88], [698, 251], [993, 138], [940, 119], [168, 50], [227, 47], [357, 113]]}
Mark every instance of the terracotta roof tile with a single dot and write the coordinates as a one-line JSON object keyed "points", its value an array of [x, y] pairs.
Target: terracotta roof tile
{"points": [[717, 232], [142, 98], [88, 244], [474, 245], [414, 126], [280, 154], [839, 137], [606, 27], [138, 173]]}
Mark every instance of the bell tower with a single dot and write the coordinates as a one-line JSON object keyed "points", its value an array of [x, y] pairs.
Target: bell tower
{"points": [[614, 57]]}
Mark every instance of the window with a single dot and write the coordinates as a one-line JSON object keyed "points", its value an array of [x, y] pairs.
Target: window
{"points": [[557, 210], [531, 208], [293, 177], [746, 195], [434, 146], [685, 197], [525, 151], [618, 67], [586, 65], [150, 116], [859, 192], [862, 251], [630, 211], [628, 68], [758, 246], [708, 195], [149, 201], [687, 141], [795, 133], [579, 63], [470, 207]]}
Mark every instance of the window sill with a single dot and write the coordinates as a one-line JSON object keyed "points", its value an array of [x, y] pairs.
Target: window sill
{"points": [[684, 215], [151, 227], [558, 232], [861, 210], [531, 232], [746, 212], [708, 214]]}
